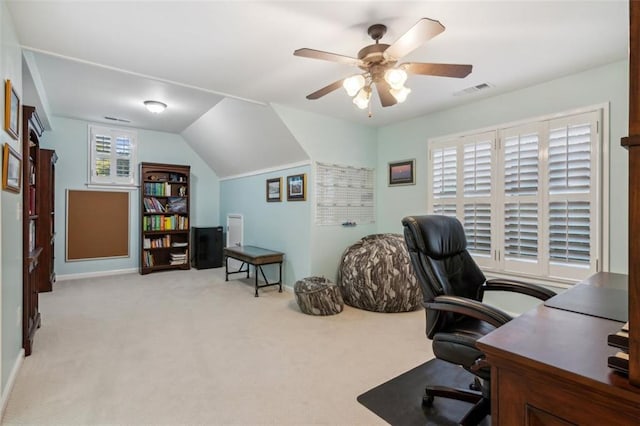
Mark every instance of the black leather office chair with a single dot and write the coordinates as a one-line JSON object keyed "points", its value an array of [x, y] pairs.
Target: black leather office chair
{"points": [[453, 287]]}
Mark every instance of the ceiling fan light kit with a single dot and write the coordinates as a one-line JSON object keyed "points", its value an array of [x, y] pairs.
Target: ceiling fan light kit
{"points": [[378, 61]]}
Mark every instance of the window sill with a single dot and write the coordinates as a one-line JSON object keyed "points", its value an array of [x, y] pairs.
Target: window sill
{"points": [[547, 282], [112, 186]]}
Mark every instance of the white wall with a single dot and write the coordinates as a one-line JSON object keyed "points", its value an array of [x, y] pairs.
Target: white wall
{"points": [[333, 141], [11, 215], [69, 140]]}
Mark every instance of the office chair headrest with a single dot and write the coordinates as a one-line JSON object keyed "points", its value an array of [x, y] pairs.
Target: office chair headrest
{"points": [[434, 235]]}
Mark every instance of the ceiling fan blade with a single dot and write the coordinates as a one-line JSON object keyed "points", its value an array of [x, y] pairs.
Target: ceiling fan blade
{"points": [[424, 30], [325, 90], [326, 56], [441, 70], [386, 98]]}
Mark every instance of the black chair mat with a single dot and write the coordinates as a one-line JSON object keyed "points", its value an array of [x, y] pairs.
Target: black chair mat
{"points": [[399, 401]]}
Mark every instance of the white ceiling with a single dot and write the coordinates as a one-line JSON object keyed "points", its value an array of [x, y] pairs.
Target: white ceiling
{"points": [[245, 49]]}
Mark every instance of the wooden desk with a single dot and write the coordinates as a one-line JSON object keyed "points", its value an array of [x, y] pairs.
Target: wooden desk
{"points": [[549, 367], [256, 256]]}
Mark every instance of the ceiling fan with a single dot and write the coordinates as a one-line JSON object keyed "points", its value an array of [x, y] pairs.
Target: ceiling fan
{"points": [[379, 62]]}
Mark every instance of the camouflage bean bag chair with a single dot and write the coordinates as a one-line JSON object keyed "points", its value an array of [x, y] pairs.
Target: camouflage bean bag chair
{"points": [[318, 296], [376, 274]]}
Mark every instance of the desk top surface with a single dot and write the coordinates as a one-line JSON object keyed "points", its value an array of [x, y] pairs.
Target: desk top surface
{"points": [[570, 344], [251, 251]]}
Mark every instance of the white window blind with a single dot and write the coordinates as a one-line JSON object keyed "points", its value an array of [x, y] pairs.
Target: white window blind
{"points": [[527, 195], [112, 154], [344, 194]]}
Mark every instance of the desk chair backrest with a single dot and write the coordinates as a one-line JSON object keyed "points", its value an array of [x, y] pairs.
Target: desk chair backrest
{"points": [[438, 251]]}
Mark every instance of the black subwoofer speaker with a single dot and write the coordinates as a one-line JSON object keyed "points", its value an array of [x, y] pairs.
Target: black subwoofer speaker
{"points": [[207, 247]]}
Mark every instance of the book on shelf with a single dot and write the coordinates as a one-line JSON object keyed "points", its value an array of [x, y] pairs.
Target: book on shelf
{"points": [[153, 205]]}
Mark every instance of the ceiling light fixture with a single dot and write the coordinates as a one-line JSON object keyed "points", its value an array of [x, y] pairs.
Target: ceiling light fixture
{"points": [[155, 106], [395, 77], [362, 98], [353, 84], [400, 94]]}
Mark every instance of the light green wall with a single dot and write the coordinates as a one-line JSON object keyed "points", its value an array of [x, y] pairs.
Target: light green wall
{"points": [[607, 84], [11, 213], [282, 226], [333, 141], [69, 140]]}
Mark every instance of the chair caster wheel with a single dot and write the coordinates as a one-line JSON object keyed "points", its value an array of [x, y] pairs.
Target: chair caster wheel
{"points": [[427, 400]]}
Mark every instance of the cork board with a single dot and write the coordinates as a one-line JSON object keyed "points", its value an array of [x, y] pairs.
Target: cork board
{"points": [[97, 224]]}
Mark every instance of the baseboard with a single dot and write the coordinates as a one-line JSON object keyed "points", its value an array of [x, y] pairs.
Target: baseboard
{"points": [[12, 380], [68, 277]]}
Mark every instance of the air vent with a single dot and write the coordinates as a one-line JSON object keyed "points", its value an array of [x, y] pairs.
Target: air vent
{"points": [[121, 120], [473, 89]]}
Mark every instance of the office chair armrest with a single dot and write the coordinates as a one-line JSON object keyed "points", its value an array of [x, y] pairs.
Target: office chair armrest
{"points": [[471, 308], [528, 289]]}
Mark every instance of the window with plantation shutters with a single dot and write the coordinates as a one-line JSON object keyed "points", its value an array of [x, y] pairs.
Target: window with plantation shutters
{"points": [[112, 156], [527, 195]]}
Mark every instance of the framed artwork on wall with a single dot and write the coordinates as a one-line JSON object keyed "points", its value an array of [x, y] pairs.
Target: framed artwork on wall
{"points": [[402, 173], [11, 110], [11, 166], [274, 190], [297, 187]]}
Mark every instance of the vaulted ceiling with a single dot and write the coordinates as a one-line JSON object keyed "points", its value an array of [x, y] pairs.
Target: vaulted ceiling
{"points": [[103, 59]]}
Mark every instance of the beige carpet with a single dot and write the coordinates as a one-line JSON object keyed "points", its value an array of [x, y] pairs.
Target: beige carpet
{"points": [[186, 347]]}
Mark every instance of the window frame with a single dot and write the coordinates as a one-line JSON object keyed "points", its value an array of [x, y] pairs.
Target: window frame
{"points": [[543, 269], [111, 181]]}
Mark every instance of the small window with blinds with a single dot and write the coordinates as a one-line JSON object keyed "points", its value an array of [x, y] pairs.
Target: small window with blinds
{"points": [[527, 196], [112, 156]]}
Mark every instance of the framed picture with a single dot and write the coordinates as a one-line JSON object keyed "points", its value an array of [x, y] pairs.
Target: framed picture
{"points": [[11, 110], [297, 187], [274, 190], [11, 166], [402, 173]]}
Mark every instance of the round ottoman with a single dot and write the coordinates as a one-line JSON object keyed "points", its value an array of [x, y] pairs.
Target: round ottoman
{"points": [[376, 274], [318, 296]]}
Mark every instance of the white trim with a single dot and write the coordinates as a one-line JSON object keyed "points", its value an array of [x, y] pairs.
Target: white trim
{"points": [[137, 74], [6, 392], [534, 279], [267, 170], [97, 274], [605, 168]]}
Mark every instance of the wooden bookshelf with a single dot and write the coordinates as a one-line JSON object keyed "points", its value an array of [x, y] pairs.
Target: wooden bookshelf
{"points": [[37, 251], [164, 217]]}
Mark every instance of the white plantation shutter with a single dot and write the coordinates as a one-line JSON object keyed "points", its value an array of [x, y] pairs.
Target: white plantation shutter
{"points": [[477, 227], [521, 148], [572, 171], [444, 166], [477, 173], [112, 156], [528, 199]]}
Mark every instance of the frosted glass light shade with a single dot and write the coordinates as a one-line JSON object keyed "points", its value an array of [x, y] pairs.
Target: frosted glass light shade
{"points": [[400, 94], [395, 77], [362, 98], [155, 106], [353, 84]]}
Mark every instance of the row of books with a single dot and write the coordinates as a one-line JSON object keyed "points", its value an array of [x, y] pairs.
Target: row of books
{"points": [[165, 223], [620, 361], [162, 242], [147, 258], [152, 205], [163, 189]]}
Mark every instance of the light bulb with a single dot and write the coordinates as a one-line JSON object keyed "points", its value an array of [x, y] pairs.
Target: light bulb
{"points": [[155, 106], [400, 94], [395, 77], [362, 98], [353, 84]]}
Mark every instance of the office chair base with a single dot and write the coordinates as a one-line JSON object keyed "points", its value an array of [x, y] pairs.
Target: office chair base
{"points": [[451, 393], [481, 408]]}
